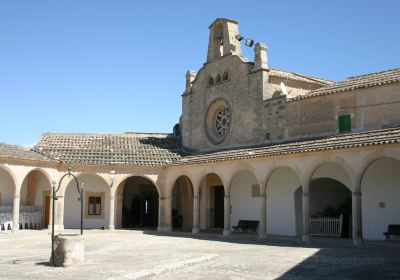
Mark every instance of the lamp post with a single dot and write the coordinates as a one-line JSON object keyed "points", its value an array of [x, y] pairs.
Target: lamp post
{"points": [[80, 191]]}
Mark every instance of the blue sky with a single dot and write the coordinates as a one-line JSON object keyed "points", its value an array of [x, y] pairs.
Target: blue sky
{"points": [[118, 66]]}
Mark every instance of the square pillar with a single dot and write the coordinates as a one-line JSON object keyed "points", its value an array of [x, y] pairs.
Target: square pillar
{"points": [[15, 227], [227, 215], [263, 216], [196, 214], [164, 215], [306, 217]]}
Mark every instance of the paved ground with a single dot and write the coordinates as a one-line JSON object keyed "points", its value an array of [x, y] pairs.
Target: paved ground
{"points": [[138, 255]]}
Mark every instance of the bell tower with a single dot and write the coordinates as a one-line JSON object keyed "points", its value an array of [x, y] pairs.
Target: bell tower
{"points": [[222, 40]]}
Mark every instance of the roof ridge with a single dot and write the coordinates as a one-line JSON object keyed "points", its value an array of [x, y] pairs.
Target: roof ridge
{"points": [[370, 74]]}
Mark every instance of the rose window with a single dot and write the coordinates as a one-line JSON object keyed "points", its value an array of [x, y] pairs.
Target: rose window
{"points": [[222, 121]]}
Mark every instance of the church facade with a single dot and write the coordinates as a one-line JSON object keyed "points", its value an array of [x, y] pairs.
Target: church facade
{"points": [[302, 156]]}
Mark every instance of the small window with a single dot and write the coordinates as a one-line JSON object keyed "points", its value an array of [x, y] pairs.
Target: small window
{"points": [[225, 76], [218, 79], [344, 123], [94, 208], [210, 80]]}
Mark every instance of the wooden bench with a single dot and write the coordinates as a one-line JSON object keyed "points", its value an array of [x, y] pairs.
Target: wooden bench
{"points": [[246, 226], [392, 230]]}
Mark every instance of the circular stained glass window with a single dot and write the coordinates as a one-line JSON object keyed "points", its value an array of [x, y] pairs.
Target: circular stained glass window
{"points": [[218, 121], [222, 121]]}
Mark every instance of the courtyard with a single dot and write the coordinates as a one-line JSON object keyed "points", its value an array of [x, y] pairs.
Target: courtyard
{"points": [[126, 254]]}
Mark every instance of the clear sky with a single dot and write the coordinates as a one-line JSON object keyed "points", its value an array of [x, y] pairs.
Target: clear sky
{"points": [[117, 66]]}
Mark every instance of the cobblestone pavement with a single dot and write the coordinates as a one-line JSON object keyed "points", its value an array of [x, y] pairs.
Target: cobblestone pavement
{"points": [[138, 255]]}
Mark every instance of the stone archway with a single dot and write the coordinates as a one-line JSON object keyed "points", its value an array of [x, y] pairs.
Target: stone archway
{"points": [[34, 209], [96, 201], [380, 188], [7, 191], [137, 203], [245, 203], [182, 204], [211, 194], [284, 200], [331, 195]]}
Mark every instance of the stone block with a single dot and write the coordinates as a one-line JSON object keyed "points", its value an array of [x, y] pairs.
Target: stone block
{"points": [[69, 250]]}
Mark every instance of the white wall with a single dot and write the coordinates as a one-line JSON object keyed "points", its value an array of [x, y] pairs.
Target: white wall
{"points": [[243, 205], [381, 183], [281, 217], [72, 206], [6, 188]]}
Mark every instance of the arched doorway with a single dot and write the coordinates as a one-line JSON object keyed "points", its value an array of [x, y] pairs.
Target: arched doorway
{"points": [[137, 203], [182, 204], [380, 188], [244, 198], [7, 190], [331, 198], [34, 209], [212, 203], [96, 201], [284, 203]]}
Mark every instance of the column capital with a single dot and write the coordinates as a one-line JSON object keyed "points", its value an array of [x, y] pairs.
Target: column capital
{"points": [[305, 194], [164, 198], [356, 193], [17, 196], [263, 195], [227, 196], [196, 197], [112, 196]]}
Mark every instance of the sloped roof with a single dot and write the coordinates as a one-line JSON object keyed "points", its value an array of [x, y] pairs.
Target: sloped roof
{"points": [[17, 152], [138, 149], [363, 81], [298, 77], [345, 141]]}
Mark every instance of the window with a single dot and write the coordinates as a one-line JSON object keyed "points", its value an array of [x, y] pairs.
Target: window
{"points": [[210, 81], [344, 123], [218, 79], [225, 76], [94, 205]]}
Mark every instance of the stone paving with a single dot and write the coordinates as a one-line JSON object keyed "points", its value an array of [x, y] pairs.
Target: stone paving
{"points": [[149, 255]]}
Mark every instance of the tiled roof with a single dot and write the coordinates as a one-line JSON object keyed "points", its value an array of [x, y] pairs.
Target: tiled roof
{"points": [[345, 141], [364, 81], [138, 149], [298, 77], [17, 152]]}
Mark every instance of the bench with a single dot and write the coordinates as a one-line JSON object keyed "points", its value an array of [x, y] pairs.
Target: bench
{"points": [[246, 226], [392, 230]]}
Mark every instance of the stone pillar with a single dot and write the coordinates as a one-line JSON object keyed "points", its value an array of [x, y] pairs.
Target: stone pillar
{"points": [[227, 215], [356, 218], [16, 202], [306, 217], [111, 223], [164, 214], [260, 57], [196, 214], [263, 216]]}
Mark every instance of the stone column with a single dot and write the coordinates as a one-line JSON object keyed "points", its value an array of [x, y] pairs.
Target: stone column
{"points": [[306, 217], [16, 202], [164, 214], [263, 216], [356, 218], [227, 215], [196, 214], [111, 223]]}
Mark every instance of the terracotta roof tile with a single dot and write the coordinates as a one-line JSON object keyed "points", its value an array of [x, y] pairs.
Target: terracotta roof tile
{"points": [[138, 149], [363, 81], [17, 152], [345, 141]]}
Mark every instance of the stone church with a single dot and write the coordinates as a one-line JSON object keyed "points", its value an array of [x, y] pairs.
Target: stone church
{"points": [[297, 155]]}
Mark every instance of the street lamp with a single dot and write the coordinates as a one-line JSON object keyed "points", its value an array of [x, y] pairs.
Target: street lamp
{"points": [[80, 191]]}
